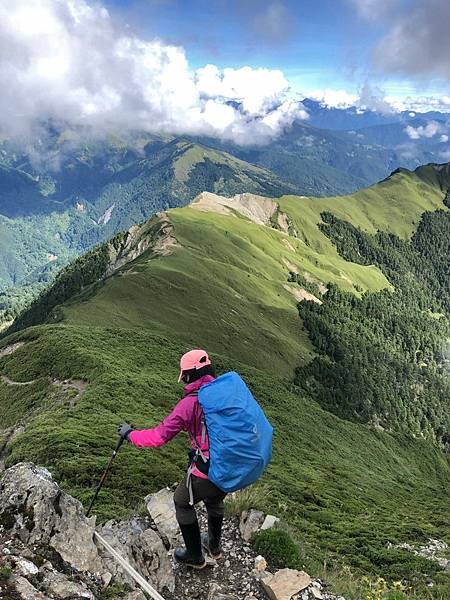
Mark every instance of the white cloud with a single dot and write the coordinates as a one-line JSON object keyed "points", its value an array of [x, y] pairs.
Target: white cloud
{"points": [[334, 98], [369, 98], [428, 131], [420, 103], [66, 61], [443, 138], [373, 98]]}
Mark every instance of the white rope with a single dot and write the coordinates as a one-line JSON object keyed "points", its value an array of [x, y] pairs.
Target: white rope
{"points": [[143, 583]]}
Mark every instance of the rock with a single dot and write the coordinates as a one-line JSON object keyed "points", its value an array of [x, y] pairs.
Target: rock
{"points": [[316, 593], [217, 593], [59, 585], [137, 595], [251, 521], [431, 551], [142, 548], [260, 563], [161, 509], [25, 567], [269, 522], [106, 578], [35, 510], [25, 590], [285, 583]]}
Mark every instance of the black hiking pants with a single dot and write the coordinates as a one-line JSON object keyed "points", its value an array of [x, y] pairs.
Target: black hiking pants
{"points": [[202, 489]]}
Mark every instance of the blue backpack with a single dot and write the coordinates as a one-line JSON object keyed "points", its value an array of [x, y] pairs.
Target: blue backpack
{"points": [[240, 436]]}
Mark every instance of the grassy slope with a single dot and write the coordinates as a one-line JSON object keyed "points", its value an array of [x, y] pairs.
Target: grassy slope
{"points": [[394, 205], [222, 288], [192, 154], [347, 490], [225, 288]]}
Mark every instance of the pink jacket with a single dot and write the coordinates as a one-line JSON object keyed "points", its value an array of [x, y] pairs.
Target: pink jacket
{"points": [[186, 416]]}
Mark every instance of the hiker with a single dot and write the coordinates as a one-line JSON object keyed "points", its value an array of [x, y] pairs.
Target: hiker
{"points": [[196, 371], [231, 442]]}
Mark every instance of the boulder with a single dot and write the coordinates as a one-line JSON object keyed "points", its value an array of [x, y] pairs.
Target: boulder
{"points": [[161, 509], [58, 585], [25, 567], [269, 522], [285, 583], [137, 595], [34, 509], [316, 593], [260, 570], [251, 521], [142, 548], [25, 590]]}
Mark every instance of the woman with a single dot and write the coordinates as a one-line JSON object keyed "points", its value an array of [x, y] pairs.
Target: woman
{"points": [[195, 371]]}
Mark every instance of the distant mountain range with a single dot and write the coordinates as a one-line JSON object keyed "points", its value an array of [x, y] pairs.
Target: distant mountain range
{"points": [[341, 119], [68, 194]]}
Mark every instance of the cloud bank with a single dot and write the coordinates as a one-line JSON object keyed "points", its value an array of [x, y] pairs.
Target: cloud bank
{"points": [[374, 98], [369, 98], [67, 62]]}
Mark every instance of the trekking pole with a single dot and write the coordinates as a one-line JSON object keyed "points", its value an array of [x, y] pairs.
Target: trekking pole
{"points": [[103, 477]]}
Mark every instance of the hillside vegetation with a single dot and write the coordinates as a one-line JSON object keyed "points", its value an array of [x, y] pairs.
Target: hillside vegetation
{"points": [[228, 275], [96, 190]]}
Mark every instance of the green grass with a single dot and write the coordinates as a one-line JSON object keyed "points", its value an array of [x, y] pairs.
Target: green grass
{"points": [[393, 205], [191, 154], [223, 288], [344, 489]]}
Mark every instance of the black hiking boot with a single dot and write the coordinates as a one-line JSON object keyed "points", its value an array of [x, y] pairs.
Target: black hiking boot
{"points": [[192, 555], [211, 540]]}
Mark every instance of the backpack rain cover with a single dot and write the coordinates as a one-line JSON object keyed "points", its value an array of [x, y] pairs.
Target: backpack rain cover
{"points": [[240, 436]]}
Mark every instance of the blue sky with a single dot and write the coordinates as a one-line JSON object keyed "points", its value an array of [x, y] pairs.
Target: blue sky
{"points": [[316, 43]]}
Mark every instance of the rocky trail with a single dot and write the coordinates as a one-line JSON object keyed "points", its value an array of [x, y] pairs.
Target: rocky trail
{"points": [[48, 550]]}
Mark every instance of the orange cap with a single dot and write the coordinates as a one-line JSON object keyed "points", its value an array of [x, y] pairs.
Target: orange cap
{"points": [[194, 359]]}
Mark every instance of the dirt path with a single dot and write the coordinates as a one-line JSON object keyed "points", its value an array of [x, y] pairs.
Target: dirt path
{"points": [[10, 349], [11, 382]]}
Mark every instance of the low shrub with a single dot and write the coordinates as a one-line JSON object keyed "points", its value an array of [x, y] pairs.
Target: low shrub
{"points": [[5, 572], [278, 548]]}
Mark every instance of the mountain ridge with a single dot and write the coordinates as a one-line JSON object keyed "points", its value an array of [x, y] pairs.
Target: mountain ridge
{"points": [[365, 464]]}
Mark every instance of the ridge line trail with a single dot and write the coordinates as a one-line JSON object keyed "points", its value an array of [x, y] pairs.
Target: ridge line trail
{"points": [[76, 384], [11, 382]]}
